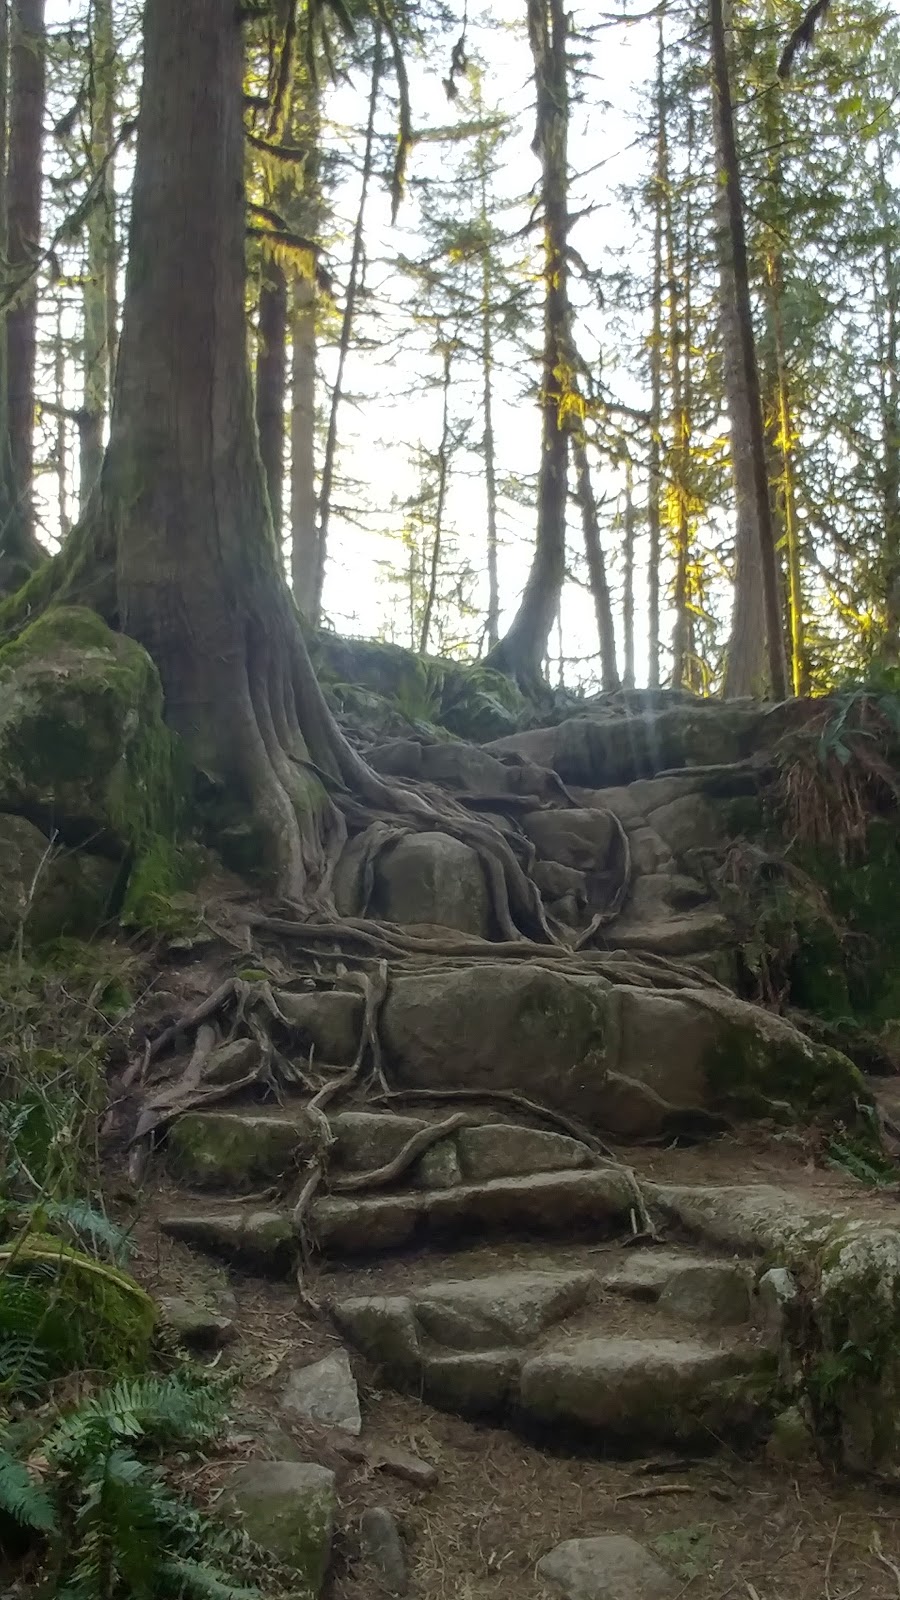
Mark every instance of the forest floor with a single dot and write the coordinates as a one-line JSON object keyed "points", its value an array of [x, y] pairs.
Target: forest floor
{"points": [[726, 1526]]}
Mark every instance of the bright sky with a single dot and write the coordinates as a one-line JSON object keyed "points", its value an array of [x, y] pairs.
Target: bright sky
{"points": [[391, 415]]}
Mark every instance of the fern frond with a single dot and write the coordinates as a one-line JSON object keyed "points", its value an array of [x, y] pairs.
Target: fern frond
{"points": [[170, 1409], [194, 1580], [22, 1498]]}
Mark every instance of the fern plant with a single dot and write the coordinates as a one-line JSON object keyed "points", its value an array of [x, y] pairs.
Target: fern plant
{"points": [[112, 1527]]}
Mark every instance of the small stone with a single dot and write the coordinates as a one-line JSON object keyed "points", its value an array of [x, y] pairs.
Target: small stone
{"points": [[790, 1440], [325, 1392], [288, 1507], [404, 1465], [198, 1326], [709, 1291], [778, 1292], [382, 1547], [612, 1567]]}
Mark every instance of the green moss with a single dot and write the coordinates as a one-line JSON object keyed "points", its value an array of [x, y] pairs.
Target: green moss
{"points": [[215, 1150], [157, 898], [92, 1316], [83, 740], [755, 1075]]}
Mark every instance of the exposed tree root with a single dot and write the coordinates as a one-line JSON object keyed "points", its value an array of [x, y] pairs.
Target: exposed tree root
{"points": [[415, 1147]]}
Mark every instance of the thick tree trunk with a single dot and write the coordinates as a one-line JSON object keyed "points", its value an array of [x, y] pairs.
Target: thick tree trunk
{"points": [[182, 491], [99, 292], [756, 563], [521, 652], [271, 381], [307, 556], [23, 194]]}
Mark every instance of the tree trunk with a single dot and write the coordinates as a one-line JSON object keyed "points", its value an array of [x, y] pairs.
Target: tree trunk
{"points": [[271, 381], [628, 584], [521, 651], [182, 495], [23, 197], [353, 287], [654, 455], [443, 467], [307, 561], [488, 440], [596, 565], [757, 593], [890, 421], [99, 291]]}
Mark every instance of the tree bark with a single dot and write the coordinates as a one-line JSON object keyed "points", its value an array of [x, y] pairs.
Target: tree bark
{"points": [[654, 454], [99, 292], [353, 287], [756, 562], [271, 381], [443, 468], [182, 497], [488, 438], [521, 652], [307, 559], [27, 91], [628, 584], [596, 564]]}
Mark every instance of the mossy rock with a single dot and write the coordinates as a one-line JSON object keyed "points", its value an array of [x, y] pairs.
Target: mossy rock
{"points": [[83, 746], [48, 892], [288, 1509], [80, 1313]]}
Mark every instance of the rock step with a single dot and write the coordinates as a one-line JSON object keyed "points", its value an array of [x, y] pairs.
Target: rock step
{"points": [[238, 1150], [551, 1348], [598, 1201]]}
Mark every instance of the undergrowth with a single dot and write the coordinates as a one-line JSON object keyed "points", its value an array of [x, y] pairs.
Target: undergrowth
{"points": [[92, 1424]]}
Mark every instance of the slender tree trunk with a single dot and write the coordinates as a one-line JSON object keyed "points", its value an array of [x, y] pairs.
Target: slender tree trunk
{"points": [[755, 556], [61, 450], [890, 420], [488, 440], [787, 494], [271, 381], [443, 465], [521, 651], [628, 584], [654, 468], [26, 144], [99, 292], [596, 564], [353, 288], [307, 564], [679, 526]]}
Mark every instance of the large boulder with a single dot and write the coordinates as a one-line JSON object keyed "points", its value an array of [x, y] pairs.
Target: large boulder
{"points": [[83, 747], [48, 892], [625, 1058], [434, 879]]}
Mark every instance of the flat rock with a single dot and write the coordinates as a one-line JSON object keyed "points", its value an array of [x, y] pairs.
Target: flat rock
{"points": [[611, 1567], [382, 1550], [473, 1382], [288, 1508], [236, 1150], [656, 1389], [198, 1326], [503, 1308], [546, 1203], [578, 838], [253, 1237], [686, 1286], [499, 1151], [325, 1391], [328, 1020]]}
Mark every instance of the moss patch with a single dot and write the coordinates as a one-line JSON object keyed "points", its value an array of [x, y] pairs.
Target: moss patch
{"points": [[765, 1074]]}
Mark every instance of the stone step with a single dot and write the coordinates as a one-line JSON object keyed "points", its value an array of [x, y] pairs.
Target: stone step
{"points": [[545, 1347], [244, 1148], [598, 1202]]}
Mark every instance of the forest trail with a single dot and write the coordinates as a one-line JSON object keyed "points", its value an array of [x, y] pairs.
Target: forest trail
{"points": [[571, 1214]]}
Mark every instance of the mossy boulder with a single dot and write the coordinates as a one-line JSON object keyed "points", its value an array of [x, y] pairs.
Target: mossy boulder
{"points": [[236, 1150], [83, 746], [288, 1509], [639, 1062], [48, 892]]}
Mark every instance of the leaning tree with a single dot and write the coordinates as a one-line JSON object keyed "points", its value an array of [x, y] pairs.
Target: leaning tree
{"points": [[176, 547]]}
